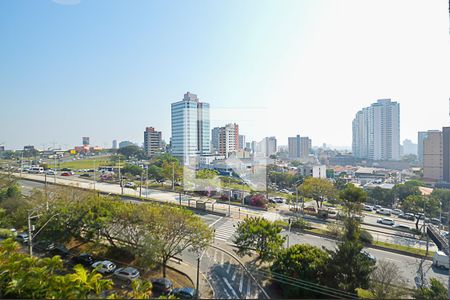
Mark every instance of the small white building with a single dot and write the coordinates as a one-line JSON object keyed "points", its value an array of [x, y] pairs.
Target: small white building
{"points": [[316, 171]]}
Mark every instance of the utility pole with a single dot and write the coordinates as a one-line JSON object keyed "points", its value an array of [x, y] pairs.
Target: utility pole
{"points": [[95, 179], [198, 278], [289, 233], [120, 178], [229, 204], [173, 176], [30, 237], [140, 187], [21, 164], [54, 167]]}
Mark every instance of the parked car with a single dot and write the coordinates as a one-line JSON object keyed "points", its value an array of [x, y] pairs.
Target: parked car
{"points": [[162, 285], [376, 207], [85, 175], [84, 258], [43, 245], [22, 237], [386, 221], [59, 250], [184, 293], [435, 221], [368, 255], [368, 207], [68, 173], [407, 216], [440, 260], [50, 172], [104, 266], [384, 211], [397, 211], [127, 273], [130, 185]]}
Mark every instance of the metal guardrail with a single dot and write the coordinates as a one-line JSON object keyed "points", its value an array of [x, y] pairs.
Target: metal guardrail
{"points": [[440, 241]]}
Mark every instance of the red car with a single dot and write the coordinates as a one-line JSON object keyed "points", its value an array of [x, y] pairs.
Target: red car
{"points": [[66, 174]]}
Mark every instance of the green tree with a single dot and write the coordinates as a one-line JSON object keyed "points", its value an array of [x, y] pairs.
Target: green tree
{"points": [[171, 170], [435, 291], [36, 278], [172, 231], [318, 189], [155, 173], [132, 169], [380, 196], [303, 262], [402, 191], [352, 198], [132, 151], [349, 268], [443, 196], [261, 235], [418, 204]]}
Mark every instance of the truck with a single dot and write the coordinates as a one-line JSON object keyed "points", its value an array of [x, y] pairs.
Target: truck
{"points": [[440, 260]]}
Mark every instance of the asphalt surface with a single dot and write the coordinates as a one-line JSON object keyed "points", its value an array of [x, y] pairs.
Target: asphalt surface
{"points": [[225, 275]]}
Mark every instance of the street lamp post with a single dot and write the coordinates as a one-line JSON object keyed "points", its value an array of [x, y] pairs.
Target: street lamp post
{"points": [[229, 204]]}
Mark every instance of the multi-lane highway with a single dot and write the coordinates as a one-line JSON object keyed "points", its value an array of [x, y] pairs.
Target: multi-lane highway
{"points": [[224, 231]]}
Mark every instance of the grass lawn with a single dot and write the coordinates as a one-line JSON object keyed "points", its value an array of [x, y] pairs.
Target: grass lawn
{"points": [[403, 248], [86, 163]]}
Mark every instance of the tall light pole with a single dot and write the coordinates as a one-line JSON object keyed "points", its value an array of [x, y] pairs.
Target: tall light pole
{"points": [[173, 176]]}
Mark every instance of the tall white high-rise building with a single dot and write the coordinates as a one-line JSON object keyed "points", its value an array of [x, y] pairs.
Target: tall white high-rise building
{"points": [[376, 131], [241, 141], [190, 128]]}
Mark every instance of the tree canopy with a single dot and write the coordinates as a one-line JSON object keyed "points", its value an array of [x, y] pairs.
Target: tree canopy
{"points": [[318, 189]]}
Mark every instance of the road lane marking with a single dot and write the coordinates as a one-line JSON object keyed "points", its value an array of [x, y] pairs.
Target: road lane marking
{"points": [[221, 261], [241, 282], [234, 275], [230, 287], [248, 296], [214, 223], [229, 267], [215, 254]]}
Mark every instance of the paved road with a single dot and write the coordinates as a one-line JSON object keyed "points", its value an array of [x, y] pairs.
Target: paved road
{"points": [[225, 229]]}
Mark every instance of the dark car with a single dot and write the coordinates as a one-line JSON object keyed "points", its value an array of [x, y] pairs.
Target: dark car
{"points": [[84, 259], [85, 175], [162, 285], [59, 250], [43, 245], [184, 293], [407, 216]]}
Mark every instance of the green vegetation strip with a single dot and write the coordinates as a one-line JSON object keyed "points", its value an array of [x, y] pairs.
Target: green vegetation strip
{"points": [[408, 249]]}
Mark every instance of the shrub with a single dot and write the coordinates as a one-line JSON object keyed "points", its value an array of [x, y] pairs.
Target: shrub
{"points": [[334, 229], [6, 233], [258, 200], [301, 224], [365, 237]]}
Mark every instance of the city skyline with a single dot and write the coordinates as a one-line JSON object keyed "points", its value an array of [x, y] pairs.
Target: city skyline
{"points": [[303, 83]]}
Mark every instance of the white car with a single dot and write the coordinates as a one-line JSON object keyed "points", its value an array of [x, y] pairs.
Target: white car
{"points": [[386, 221], [127, 273], [368, 207], [384, 211], [50, 172], [397, 211], [104, 266], [130, 185]]}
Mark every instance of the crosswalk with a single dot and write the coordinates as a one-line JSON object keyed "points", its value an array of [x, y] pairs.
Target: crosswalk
{"points": [[229, 278], [224, 231]]}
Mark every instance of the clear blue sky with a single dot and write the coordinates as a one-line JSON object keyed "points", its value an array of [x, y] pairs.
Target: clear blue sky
{"points": [[107, 69]]}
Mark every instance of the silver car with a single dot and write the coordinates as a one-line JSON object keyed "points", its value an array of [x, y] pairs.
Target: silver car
{"points": [[127, 273], [104, 266]]}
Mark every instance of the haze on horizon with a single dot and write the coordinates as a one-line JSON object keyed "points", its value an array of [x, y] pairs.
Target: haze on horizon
{"points": [[108, 69]]}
